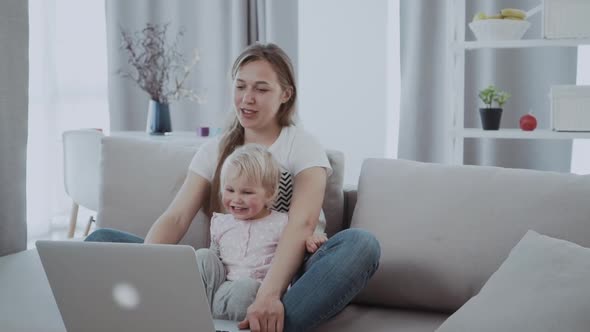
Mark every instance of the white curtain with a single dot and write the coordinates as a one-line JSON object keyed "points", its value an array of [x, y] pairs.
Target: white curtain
{"points": [[67, 90]]}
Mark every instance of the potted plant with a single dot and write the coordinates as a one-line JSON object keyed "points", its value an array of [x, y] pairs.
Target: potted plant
{"points": [[159, 69], [491, 116]]}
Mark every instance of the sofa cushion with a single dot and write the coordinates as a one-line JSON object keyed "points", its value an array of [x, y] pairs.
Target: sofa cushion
{"points": [[542, 286], [445, 229], [355, 318], [139, 179]]}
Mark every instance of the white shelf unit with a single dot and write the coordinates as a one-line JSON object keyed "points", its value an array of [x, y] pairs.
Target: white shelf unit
{"points": [[457, 49], [519, 134], [473, 45]]}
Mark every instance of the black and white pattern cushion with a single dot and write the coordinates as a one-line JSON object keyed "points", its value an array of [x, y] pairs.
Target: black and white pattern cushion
{"points": [[283, 200]]}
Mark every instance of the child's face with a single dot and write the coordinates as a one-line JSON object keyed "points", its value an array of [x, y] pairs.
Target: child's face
{"points": [[243, 199]]}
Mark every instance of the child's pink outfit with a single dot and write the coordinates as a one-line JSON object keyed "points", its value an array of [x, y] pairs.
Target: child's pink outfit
{"points": [[246, 248]]}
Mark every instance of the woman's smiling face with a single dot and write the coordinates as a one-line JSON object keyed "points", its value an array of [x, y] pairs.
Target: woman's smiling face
{"points": [[258, 95]]}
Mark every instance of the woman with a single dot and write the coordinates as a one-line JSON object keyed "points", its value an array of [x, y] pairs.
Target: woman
{"points": [[264, 97]]}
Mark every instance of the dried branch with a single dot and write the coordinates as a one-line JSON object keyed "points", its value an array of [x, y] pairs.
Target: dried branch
{"points": [[157, 66]]}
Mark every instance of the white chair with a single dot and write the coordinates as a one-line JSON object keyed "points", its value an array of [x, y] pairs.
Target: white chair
{"points": [[81, 149]]}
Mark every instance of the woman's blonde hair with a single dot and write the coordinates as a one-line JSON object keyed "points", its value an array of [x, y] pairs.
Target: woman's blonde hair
{"points": [[234, 133], [257, 165]]}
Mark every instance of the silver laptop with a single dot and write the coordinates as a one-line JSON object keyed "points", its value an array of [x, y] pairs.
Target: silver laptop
{"points": [[128, 287]]}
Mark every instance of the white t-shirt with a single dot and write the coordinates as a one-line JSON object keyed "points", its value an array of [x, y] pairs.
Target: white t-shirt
{"points": [[295, 150]]}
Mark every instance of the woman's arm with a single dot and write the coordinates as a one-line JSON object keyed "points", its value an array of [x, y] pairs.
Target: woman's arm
{"points": [[304, 212], [175, 221], [267, 311]]}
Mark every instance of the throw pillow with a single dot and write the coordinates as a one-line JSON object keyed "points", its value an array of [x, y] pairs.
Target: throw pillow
{"points": [[543, 285]]}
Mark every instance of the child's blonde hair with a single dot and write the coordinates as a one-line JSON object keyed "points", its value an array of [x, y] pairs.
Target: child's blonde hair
{"points": [[258, 166]]}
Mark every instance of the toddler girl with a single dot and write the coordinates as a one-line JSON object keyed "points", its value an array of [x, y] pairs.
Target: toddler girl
{"points": [[243, 241]]}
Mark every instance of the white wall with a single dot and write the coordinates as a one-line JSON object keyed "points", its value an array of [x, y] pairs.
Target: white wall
{"points": [[343, 78]]}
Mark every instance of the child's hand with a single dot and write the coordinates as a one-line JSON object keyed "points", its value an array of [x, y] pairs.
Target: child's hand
{"points": [[314, 242]]}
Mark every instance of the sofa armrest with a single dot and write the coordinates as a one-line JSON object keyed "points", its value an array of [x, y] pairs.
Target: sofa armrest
{"points": [[333, 206], [139, 179], [350, 195]]}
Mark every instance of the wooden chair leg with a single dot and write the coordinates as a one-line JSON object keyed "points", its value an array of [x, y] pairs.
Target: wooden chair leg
{"points": [[73, 219], [88, 225]]}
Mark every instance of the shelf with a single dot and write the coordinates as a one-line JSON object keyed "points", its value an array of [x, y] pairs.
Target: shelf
{"points": [[519, 134], [523, 43], [456, 67]]}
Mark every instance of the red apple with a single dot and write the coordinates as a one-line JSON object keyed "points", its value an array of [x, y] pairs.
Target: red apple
{"points": [[528, 122]]}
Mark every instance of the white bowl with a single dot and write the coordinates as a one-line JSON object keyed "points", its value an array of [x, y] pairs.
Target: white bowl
{"points": [[498, 29]]}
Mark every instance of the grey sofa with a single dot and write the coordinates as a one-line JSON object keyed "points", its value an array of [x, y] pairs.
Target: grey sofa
{"points": [[443, 230]]}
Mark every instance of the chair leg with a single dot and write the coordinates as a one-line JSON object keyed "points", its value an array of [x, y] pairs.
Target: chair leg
{"points": [[88, 225], [73, 219]]}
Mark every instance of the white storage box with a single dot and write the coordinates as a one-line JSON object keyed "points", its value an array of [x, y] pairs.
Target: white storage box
{"points": [[570, 107], [566, 19]]}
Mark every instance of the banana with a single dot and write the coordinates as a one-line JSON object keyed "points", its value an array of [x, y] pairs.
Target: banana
{"points": [[513, 18], [513, 13], [506, 13], [479, 16]]}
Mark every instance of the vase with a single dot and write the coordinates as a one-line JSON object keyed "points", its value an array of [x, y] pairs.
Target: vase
{"points": [[490, 118], [158, 119]]}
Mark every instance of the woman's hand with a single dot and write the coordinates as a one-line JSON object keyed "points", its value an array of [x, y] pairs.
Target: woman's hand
{"points": [[314, 242], [264, 315]]}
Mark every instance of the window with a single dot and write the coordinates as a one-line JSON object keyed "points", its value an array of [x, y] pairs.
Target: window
{"points": [[67, 90]]}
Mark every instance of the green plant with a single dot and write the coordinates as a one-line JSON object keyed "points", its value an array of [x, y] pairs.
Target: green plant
{"points": [[492, 94]]}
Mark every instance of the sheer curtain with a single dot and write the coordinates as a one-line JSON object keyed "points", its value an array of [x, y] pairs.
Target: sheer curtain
{"points": [[67, 90]]}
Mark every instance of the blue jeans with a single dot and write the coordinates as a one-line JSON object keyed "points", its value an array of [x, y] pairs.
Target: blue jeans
{"points": [[112, 235], [346, 263]]}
